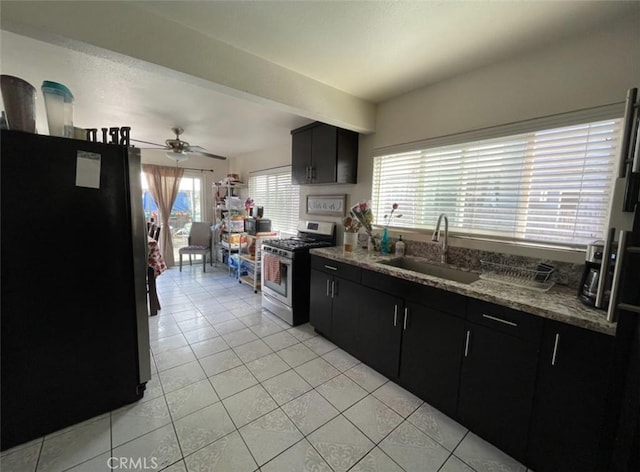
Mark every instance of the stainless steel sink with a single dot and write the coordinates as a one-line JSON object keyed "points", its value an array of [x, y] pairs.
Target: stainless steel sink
{"points": [[435, 270]]}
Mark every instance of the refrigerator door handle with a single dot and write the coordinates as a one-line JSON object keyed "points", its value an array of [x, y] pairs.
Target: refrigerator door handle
{"points": [[629, 126], [603, 281], [629, 166], [615, 284], [635, 167]]}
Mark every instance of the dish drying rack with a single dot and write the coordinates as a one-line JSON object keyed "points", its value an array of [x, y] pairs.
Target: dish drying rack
{"points": [[535, 279]]}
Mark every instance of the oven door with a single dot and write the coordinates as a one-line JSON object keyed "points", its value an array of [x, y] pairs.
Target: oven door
{"points": [[277, 284]]}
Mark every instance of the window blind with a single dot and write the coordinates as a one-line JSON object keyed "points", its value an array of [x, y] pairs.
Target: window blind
{"points": [[551, 186], [281, 200]]}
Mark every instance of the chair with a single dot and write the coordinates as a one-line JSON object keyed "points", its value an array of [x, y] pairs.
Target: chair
{"points": [[153, 230], [199, 243]]}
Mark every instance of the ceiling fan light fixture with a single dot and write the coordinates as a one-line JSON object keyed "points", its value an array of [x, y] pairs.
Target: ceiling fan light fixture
{"points": [[177, 156]]}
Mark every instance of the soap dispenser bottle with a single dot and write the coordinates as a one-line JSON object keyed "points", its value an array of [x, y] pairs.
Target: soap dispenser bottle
{"points": [[400, 246]]}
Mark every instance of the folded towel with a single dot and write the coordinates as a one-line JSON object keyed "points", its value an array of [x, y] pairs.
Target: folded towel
{"points": [[271, 267]]}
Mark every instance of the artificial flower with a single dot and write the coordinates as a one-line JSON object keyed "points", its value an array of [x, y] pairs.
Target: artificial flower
{"points": [[351, 224], [387, 218]]}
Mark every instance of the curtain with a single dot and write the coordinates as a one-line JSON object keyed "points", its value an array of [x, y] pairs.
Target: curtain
{"points": [[163, 185]]}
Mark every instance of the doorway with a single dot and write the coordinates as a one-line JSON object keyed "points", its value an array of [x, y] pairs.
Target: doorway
{"points": [[186, 209]]}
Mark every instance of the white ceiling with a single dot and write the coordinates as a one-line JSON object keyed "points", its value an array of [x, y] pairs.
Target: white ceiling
{"points": [[109, 94], [371, 50], [378, 50]]}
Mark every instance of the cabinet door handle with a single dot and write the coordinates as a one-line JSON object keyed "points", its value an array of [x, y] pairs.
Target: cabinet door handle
{"points": [[330, 267], [466, 344], [333, 289], [395, 315], [406, 316], [313, 172], [555, 349], [328, 287], [499, 320], [635, 165]]}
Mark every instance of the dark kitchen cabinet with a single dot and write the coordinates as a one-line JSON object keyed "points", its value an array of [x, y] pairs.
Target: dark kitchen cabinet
{"points": [[380, 333], [413, 335], [344, 322], [570, 400], [498, 375], [539, 390], [320, 305], [432, 346], [335, 301], [324, 154]]}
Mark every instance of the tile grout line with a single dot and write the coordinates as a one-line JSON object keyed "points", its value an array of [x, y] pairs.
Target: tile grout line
{"points": [[278, 406], [292, 368]]}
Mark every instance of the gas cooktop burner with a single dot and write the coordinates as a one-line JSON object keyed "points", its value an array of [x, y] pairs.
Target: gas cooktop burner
{"points": [[311, 234], [293, 244]]}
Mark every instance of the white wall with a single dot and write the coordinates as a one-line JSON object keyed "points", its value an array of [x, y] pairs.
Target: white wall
{"points": [[577, 74], [121, 29], [595, 70], [277, 156], [583, 73]]}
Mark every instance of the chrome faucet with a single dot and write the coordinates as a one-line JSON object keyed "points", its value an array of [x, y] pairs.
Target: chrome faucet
{"points": [[445, 241]]}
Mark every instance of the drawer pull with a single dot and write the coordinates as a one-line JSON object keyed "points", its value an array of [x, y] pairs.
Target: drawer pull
{"points": [[499, 320], [330, 267], [406, 316], [466, 344], [395, 315], [555, 349]]}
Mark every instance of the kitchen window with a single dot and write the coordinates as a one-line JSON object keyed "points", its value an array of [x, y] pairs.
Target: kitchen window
{"points": [[272, 189], [550, 186]]}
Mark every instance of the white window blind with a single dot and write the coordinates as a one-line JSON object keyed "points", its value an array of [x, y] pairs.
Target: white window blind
{"points": [[551, 186], [273, 190]]}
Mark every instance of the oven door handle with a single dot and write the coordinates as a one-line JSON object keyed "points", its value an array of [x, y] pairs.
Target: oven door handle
{"points": [[283, 260]]}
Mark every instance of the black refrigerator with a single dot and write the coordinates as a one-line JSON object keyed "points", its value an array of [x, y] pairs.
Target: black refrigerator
{"points": [[624, 307], [74, 332]]}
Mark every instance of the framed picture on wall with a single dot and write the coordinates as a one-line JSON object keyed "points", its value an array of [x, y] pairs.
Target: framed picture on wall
{"points": [[328, 205]]}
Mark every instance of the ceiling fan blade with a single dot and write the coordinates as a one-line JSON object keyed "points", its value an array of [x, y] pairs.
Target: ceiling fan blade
{"points": [[206, 154], [147, 142]]}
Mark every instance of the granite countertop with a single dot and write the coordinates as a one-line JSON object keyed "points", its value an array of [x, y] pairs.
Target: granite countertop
{"points": [[559, 303]]}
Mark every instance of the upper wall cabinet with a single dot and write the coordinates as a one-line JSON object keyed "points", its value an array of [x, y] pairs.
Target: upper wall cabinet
{"points": [[324, 154]]}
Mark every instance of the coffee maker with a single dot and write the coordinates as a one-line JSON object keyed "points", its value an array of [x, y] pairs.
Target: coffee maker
{"points": [[593, 271]]}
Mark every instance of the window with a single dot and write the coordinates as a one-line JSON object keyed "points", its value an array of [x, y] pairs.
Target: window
{"points": [[272, 189], [551, 186]]}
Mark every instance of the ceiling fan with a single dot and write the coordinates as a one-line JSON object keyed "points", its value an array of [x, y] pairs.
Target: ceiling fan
{"points": [[179, 150]]}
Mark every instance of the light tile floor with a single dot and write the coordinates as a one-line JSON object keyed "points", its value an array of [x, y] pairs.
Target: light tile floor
{"points": [[236, 389]]}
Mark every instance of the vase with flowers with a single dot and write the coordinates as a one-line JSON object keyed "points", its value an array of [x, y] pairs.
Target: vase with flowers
{"points": [[384, 243]]}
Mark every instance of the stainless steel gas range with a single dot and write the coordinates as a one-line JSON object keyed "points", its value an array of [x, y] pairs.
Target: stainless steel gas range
{"points": [[286, 270]]}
